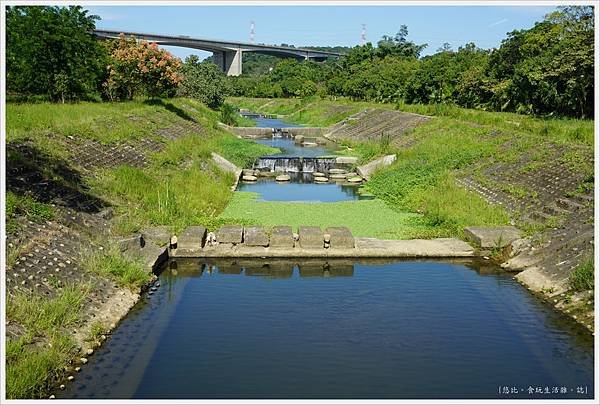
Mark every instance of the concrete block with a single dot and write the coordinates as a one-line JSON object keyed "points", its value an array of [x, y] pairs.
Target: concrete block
{"points": [[490, 237], [340, 237], [230, 234], [310, 237], [191, 238], [281, 237], [366, 171], [133, 243], [255, 236], [157, 234]]}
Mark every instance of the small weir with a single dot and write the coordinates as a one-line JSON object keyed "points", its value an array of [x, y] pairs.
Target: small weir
{"points": [[294, 164]]}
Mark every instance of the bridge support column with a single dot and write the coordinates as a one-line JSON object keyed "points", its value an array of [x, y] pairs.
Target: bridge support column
{"points": [[230, 62]]}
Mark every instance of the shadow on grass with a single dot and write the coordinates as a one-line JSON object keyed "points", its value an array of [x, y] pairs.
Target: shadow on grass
{"points": [[49, 179], [170, 107]]}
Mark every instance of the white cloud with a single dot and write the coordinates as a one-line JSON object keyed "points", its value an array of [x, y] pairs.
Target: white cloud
{"points": [[502, 21]]}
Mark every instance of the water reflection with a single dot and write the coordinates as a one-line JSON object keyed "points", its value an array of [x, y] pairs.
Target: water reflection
{"points": [[337, 329], [273, 268]]}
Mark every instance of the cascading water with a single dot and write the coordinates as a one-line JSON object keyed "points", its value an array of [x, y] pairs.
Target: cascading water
{"points": [[294, 164]]}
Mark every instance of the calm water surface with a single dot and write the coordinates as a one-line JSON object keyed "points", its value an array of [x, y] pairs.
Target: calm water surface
{"points": [[337, 330], [301, 188]]}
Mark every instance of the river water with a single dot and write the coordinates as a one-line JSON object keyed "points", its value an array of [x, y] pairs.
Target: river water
{"points": [[401, 329], [338, 329], [301, 187]]}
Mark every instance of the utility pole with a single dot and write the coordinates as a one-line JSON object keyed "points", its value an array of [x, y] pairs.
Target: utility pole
{"points": [[363, 35], [252, 32]]}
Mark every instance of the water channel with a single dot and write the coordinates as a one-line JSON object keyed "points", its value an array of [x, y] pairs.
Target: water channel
{"points": [[338, 329], [302, 186], [243, 329]]}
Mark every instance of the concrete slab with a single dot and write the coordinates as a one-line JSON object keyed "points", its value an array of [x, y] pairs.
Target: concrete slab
{"points": [[230, 234], [193, 237], [490, 237], [340, 237], [255, 236], [310, 237], [281, 237], [158, 234], [366, 171]]}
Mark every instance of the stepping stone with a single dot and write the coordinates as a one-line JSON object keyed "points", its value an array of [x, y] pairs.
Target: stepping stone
{"points": [[321, 179], [255, 236], [248, 172], [191, 238], [337, 176], [355, 179], [310, 237], [340, 237], [353, 174], [489, 237], [283, 177], [249, 178], [318, 174], [230, 234], [337, 171], [281, 237]]}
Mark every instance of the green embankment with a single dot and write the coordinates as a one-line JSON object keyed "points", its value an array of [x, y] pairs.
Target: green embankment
{"points": [[160, 194], [180, 186], [422, 179]]}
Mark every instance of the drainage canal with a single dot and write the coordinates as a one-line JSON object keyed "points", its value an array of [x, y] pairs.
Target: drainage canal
{"points": [[338, 329], [305, 170]]}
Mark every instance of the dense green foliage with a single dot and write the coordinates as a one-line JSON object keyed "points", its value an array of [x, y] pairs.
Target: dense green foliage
{"points": [[544, 70], [51, 52], [203, 81]]}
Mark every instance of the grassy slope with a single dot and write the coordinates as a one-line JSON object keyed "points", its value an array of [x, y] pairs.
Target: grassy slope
{"points": [[422, 179], [179, 187], [160, 194]]}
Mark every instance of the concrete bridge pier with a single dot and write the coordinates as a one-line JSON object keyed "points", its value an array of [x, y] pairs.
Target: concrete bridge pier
{"points": [[230, 61]]}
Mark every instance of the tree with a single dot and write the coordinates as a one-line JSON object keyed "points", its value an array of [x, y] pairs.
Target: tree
{"points": [[203, 81], [140, 67], [398, 45], [51, 51]]}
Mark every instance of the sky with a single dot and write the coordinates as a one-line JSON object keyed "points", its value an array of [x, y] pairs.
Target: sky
{"points": [[486, 26]]}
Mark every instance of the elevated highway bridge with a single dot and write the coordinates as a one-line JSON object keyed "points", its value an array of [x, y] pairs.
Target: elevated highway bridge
{"points": [[227, 54]]}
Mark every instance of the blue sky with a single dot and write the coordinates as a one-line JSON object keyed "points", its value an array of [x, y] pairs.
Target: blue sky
{"points": [[486, 26]]}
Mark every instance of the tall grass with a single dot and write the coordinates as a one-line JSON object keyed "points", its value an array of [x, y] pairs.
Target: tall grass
{"points": [[38, 356], [110, 263], [582, 278]]}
